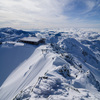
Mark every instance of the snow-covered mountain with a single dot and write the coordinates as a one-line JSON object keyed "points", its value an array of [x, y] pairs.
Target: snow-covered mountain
{"points": [[10, 34], [65, 67]]}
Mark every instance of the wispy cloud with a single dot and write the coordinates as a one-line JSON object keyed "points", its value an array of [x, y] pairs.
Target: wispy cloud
{"points": [[45, 13]]}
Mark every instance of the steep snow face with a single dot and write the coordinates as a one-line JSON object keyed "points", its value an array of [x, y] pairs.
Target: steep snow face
{"points": [[62, 82], [77, 49], [86, 78], [26, 74], [66, 67], [11, 57]]}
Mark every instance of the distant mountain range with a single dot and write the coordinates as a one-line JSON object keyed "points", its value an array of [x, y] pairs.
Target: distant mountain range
{"points": [[65, 67]]}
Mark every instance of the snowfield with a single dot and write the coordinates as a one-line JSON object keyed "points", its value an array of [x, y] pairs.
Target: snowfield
{"points": [[66, 67]]}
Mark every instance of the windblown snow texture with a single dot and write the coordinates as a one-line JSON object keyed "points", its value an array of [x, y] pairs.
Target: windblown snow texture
{"points": [[66, 67]]}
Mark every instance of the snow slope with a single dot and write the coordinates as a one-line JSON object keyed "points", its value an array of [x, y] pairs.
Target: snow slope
{"points": [[24, 75], [67, 67], [11, 57]]}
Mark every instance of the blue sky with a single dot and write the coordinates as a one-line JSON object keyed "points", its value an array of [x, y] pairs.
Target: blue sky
{"points": [[37, 14]]}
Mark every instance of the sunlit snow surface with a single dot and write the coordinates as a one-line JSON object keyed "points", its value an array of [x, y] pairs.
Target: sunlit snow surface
{"points": [[66, 67], [32, 39]]}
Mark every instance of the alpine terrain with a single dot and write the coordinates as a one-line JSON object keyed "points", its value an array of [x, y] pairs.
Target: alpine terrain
{"points": [[49, 64]]}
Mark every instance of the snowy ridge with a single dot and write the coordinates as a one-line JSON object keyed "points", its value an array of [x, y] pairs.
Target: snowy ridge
{"points": [[66, 68], [25, 73]]}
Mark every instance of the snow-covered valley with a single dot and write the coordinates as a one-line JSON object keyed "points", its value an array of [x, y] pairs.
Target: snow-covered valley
{"points": [[65, 67]]}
